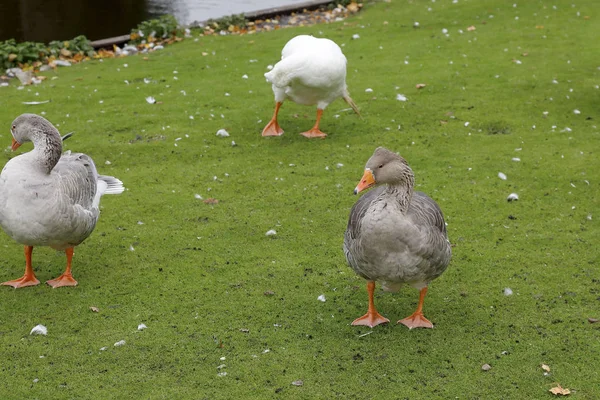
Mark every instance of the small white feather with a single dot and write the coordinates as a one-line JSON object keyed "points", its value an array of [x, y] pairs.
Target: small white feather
{"points": [[39, 330]]}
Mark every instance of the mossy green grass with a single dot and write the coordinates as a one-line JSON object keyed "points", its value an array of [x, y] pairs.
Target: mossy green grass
{"points": [[219, 296]]}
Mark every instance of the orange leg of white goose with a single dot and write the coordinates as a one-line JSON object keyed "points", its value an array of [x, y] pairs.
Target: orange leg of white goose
{"points": [[29, 278], [66, 279], [372, 317], [315, 132], [273, 128], [417, 320]]}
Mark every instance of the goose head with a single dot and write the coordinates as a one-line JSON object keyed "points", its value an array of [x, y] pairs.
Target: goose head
{"points": [[386, 167], [31, 128]]}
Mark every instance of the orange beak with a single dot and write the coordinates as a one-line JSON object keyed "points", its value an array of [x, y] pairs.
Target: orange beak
{"points": [[366, 181], [15, 144]]}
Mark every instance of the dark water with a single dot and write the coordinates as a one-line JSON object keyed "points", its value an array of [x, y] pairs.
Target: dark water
{"points": [[47, 20]]}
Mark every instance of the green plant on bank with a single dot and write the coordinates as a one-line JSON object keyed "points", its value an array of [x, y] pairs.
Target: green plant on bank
{"points": [[238, 20], [13, 54], [155, 29], [25, 54], [77, 45]]}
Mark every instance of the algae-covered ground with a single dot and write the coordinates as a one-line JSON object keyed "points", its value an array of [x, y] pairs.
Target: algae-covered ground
{"points": [[233, 313]]}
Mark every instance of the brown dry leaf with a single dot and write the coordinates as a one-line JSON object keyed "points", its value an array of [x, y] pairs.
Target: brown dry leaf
{"points": [[65, 53], [12, 57], [471, 28], [353, 7], [211, 201], [593, 320], [94, 309], [269, 293], [545, 368], [559, 390], [442, 122], [586, 17], [486, 367], [420, 85], [525, 54]]}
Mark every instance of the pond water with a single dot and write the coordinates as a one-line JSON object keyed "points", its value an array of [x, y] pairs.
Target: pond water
{"points": [[47, 20], [188, 11]]}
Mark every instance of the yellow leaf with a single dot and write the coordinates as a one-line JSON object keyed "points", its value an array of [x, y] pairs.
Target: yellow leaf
{"points": [[559, 390], [545, 368]]}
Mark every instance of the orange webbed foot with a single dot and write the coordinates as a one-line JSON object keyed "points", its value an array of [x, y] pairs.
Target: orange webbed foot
{"points": [[370, 319], [63, 280], [24, 281], [314, 133], [272, 129], [416, 320]]}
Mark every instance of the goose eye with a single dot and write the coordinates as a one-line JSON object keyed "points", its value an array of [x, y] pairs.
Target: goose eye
{"points": [[381, 166], [14, 127]]}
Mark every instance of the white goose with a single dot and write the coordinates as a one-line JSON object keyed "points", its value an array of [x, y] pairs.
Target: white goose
{"points": [[48, 198], [395, 235], [311, 71]]}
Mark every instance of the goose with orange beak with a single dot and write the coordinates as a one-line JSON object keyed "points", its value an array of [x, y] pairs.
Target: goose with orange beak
{"points": [[49, 198], [395, 235]]}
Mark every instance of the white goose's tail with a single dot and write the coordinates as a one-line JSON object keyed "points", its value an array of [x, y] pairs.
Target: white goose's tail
{"points": [[348, 99]]}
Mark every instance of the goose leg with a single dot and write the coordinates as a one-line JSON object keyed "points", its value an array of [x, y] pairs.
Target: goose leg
{"points": [[315, 132], [29, 278], [372, 317], [417, 320], [273, 128], [66, 279]]}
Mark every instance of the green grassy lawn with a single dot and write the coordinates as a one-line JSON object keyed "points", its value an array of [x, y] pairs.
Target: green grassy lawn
{"points": [[214, 290]]}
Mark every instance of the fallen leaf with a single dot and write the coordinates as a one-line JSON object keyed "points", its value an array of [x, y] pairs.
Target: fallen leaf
{"points": [[210, 200], [486, 367], [559, 390], [539, 27], [545, 368], [94, 309], [471, 28], [298, 383], [420, 85], [593, 320], [442, 122], [269, 293]]}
